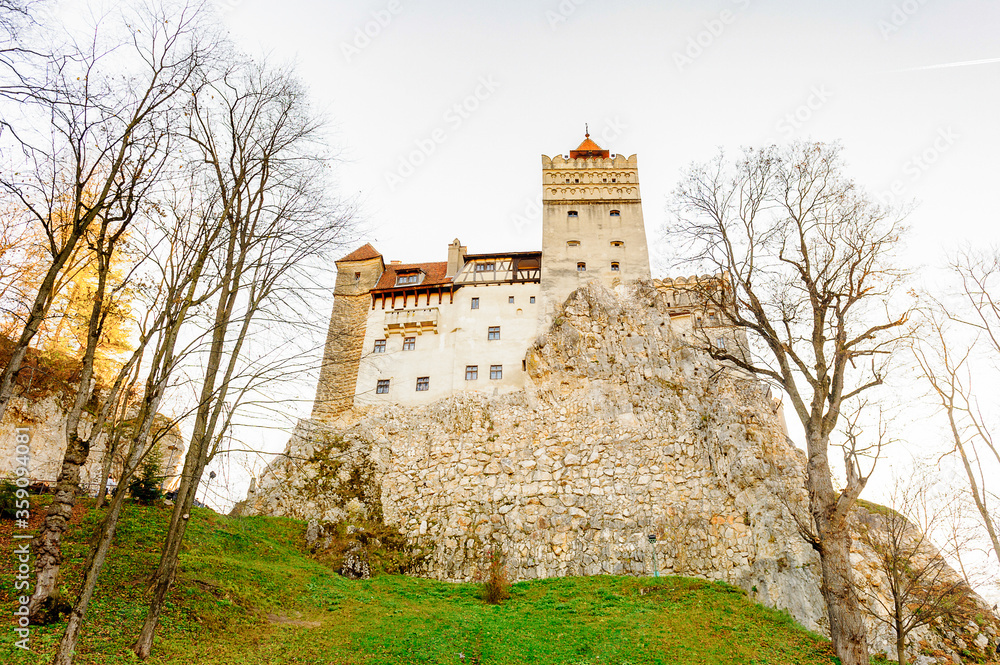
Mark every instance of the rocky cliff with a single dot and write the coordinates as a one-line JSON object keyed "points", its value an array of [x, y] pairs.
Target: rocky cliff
{"points": [[622, 432], [44, 416]]}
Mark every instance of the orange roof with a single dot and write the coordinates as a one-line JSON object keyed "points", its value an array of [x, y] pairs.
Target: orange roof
{"points": [[434, 275], [362, 253], [588, 149]]}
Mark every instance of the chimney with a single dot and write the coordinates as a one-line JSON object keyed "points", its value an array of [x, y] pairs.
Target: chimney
{"points": [[456, 257]]}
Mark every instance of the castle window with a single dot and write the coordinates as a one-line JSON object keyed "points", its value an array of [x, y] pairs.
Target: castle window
{"points": [[573, 213], [572, 243], [616, 213], [382, 387], [496, 371], [614, 266], [357, 277], [409, 343], [475, 303], [617, 243], [380, 346], [407, 279], [531, 300], [471, 372], [510, 299], [575, 180], [581, 267], [721, 343], [493, 333], [423, 383], [483, 267], [713, 320]]}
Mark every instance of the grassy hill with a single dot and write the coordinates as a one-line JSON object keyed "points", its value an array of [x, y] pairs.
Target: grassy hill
{"points": [[248, 594]]}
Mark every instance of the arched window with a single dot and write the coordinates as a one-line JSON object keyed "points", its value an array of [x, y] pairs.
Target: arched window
{"points": [[616, 213], [581, 267], [572, 243], [572, 213], [614, 266], [617, 243]]}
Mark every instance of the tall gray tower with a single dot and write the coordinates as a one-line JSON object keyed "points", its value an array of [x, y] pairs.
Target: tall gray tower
{"points": [[592, 225]]}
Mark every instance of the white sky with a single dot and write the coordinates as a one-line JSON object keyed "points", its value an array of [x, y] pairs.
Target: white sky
{"points": [[671, 82], [552, 66]]}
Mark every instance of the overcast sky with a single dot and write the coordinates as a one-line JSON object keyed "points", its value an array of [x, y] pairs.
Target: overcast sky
{"points": [[443, 108]]}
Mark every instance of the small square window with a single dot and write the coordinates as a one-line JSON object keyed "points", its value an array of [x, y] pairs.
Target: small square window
{"points": [[471, 372], [496, 371], [407, 279], [483, 267], [614, 266], [475, 303], [382, 387], [409, 343], [380, 346], [581, 267], [510, 299], [531, 300], [423, 383], [357, 277], [720, 342], [493, 333]]}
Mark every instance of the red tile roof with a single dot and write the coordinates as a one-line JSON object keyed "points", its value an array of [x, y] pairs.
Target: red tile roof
{"points": [[435, 275], [362, 253], [588, 149]]}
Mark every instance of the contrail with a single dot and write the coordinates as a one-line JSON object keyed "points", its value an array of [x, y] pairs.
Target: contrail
{"points": [[963, 63]]}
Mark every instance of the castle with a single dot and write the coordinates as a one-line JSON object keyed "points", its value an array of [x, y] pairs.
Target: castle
{"points": [[546, 405], [416, 332]]}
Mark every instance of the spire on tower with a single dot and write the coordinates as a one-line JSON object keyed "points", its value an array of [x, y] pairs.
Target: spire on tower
{"points": [[588, 148]]}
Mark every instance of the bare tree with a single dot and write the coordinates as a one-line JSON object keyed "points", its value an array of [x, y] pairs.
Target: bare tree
{"points": [[180, 269], [102, 143], [804, 263], [268, 193], [963, 342], [921, 586], [129, 123]]}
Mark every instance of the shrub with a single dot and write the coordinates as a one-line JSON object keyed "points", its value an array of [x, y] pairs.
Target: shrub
{"points": [[496, 583], [146, 488], [8, 499]]}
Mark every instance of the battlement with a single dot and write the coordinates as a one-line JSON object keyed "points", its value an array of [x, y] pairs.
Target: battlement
{"points": [[615, 162]]}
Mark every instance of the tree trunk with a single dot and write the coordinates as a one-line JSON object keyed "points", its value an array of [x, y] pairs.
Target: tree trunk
{"points": [[44, 605], [900, 648], [847, 623], [95, 563], [109, 454], [67, 646]]}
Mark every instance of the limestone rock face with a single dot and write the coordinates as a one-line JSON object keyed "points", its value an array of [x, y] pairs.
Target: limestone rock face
{"points": [[45, 421], [622, 432]]}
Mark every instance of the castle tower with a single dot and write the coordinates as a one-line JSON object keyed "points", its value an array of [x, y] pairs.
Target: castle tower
{"points": [[357, 275], [592, 225]]}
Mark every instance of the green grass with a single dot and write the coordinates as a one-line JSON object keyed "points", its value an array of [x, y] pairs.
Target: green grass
{"points": [[235, 572]]}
